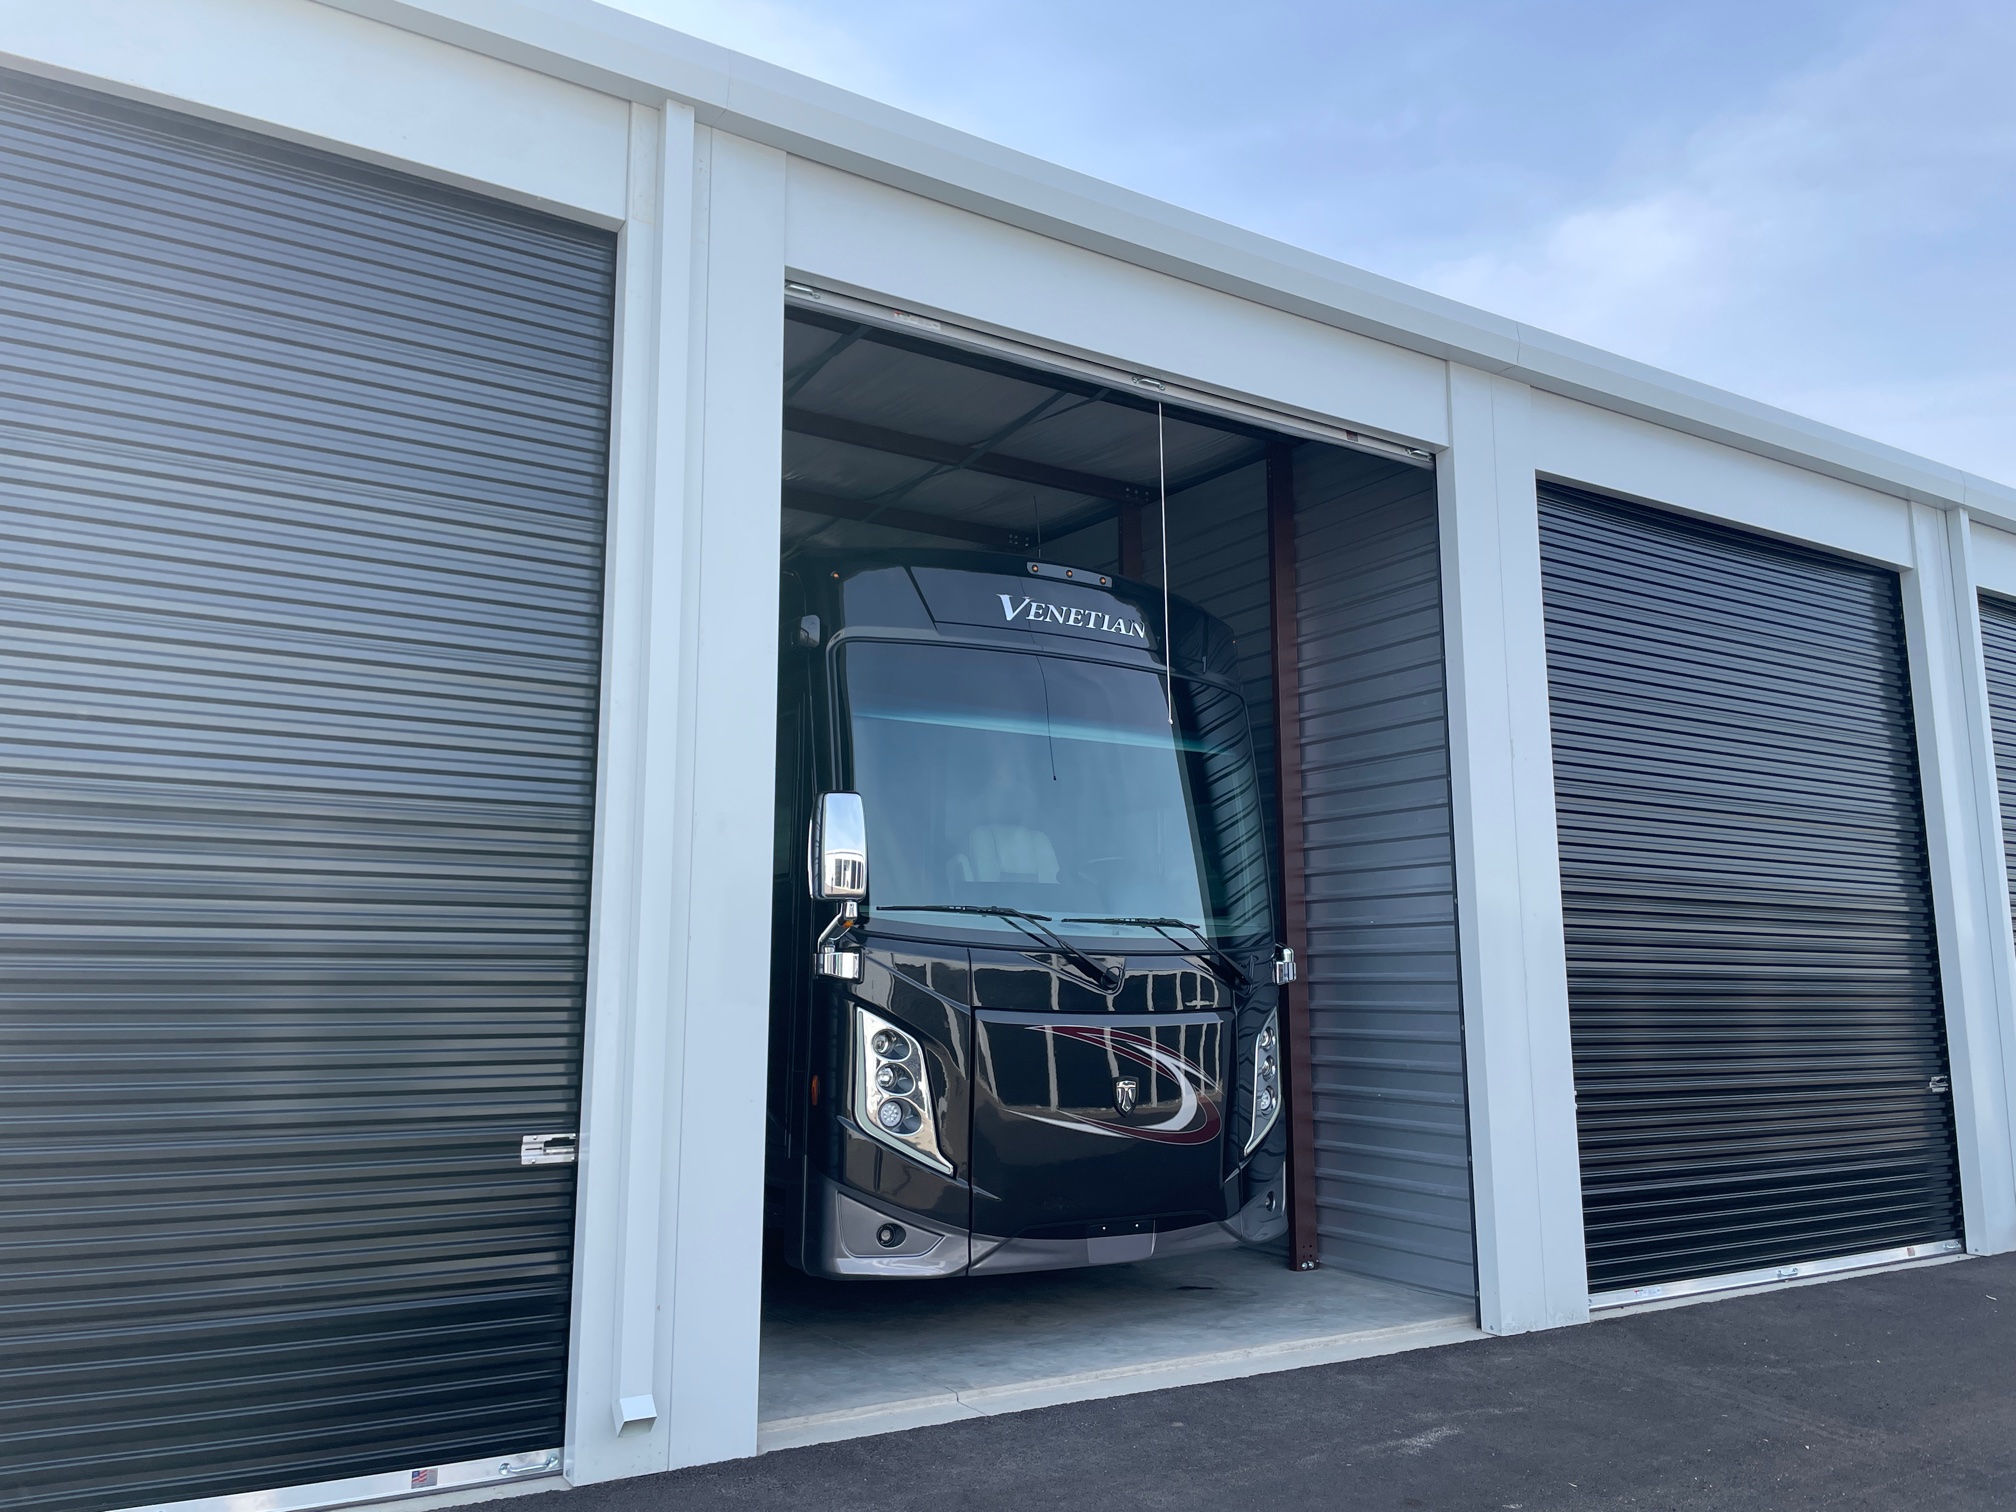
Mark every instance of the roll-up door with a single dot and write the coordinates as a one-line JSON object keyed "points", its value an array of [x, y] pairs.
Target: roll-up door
{"points": [[1759, 1046], [301, 488], [1998, 646]]}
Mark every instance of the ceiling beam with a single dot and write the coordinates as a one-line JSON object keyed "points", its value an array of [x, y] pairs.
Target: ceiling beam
{"points": [[812, 368], [958, 455], [1096, 514]]}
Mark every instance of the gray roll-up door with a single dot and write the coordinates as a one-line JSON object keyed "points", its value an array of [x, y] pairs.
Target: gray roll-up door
{"points": [[1385, 1002], [301, 490], [1759, 1041]]}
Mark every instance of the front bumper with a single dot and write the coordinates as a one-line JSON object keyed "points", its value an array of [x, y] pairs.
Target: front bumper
{"points": [[858, 1237]]}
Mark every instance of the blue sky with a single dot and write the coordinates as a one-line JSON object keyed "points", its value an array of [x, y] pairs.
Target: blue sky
{"points": [[1812, 204]]}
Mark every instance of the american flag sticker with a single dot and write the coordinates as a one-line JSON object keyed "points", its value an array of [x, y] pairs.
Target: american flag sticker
{"points": [[423, 1479]]}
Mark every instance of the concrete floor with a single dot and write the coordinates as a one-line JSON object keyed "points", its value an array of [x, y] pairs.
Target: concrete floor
{"points": [[844, 1359], [1873, 1393]]}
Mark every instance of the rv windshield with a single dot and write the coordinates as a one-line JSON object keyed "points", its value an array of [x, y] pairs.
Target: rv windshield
{"points": [[1017, 780]]}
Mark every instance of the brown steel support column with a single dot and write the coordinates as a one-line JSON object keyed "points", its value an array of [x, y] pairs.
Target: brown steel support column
{"points": [[1131, 551], [1302, 1246]]}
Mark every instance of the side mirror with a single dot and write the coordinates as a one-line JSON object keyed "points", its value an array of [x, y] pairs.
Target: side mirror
{"points": [[839, 847]]}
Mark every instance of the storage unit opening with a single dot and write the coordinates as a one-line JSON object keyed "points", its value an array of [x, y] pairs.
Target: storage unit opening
{"points": [[1114, 1039]]}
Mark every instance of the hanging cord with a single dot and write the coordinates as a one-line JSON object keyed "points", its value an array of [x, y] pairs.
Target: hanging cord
{"points": [[1168, 649]]}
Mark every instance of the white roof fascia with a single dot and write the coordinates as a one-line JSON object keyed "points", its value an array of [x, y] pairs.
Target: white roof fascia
{"points": [[626, 55]]}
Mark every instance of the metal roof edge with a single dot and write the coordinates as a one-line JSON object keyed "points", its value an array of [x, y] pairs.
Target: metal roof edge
{"points": [[1571, 369], [626, 55]]}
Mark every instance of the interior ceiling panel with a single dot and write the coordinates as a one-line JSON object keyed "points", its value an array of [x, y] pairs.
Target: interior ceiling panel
{"points": [[890, 439], [878, 385], [853, 472], [850, 472], [1103, 438]]}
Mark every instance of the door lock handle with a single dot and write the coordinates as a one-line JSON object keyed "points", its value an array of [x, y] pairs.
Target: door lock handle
{"points": [[548, 1149]]}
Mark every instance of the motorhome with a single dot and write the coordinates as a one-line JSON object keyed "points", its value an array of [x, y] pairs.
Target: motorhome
{"points": [[1026, 944]]}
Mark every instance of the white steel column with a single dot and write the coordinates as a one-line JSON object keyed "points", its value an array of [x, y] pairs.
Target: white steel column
{"points": [[720, 918], [1977, 964], [620, 1376], [1525, 1166], [669, 1249]]}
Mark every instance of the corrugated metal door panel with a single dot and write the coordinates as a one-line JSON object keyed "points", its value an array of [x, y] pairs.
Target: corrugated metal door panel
{"points": [[1392, 1167], [1998, 645], [301, 484], [1753, 982]]}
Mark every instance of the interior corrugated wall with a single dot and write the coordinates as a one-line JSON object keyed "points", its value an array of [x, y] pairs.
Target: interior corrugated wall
{"points": [[1218, 560], [1392, 1142]]}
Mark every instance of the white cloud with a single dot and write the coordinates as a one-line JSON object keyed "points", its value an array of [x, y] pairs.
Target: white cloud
{"points": [[1640, 272], [1816, 251]]}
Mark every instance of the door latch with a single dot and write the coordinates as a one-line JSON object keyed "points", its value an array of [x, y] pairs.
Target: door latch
{"points": [[548, 1149]]}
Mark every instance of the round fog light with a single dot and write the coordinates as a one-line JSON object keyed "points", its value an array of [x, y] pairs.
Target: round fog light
{"points": [[891, 1114], [890, 1235], [890, 1045]]}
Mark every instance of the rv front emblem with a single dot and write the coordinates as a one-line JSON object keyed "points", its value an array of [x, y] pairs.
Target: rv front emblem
{"points": [[1126, 1092], [1033, 612]]}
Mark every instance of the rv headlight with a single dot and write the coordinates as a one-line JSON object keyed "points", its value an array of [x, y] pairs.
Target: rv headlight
{"points": [[1266, 1080], [894, 1080], [892, 1091]]}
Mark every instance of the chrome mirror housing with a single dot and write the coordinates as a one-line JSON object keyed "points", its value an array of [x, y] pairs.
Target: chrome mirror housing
{"points": [[839, 848], [1284, 967]]}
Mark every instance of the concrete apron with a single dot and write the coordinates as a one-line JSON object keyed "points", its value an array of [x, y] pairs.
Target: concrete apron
{"points": [[844, 1360]]}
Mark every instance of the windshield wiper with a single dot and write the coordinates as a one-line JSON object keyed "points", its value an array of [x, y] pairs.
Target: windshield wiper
{"points": [[1202, 945], [1034, 925]]}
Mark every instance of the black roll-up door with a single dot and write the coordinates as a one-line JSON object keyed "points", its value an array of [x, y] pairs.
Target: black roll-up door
{"points": [[301, 491], [1759, 1042], [1998, 647]]}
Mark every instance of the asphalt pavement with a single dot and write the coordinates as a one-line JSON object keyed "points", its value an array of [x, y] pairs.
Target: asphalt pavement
{"points": [[1886, 1391]]}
